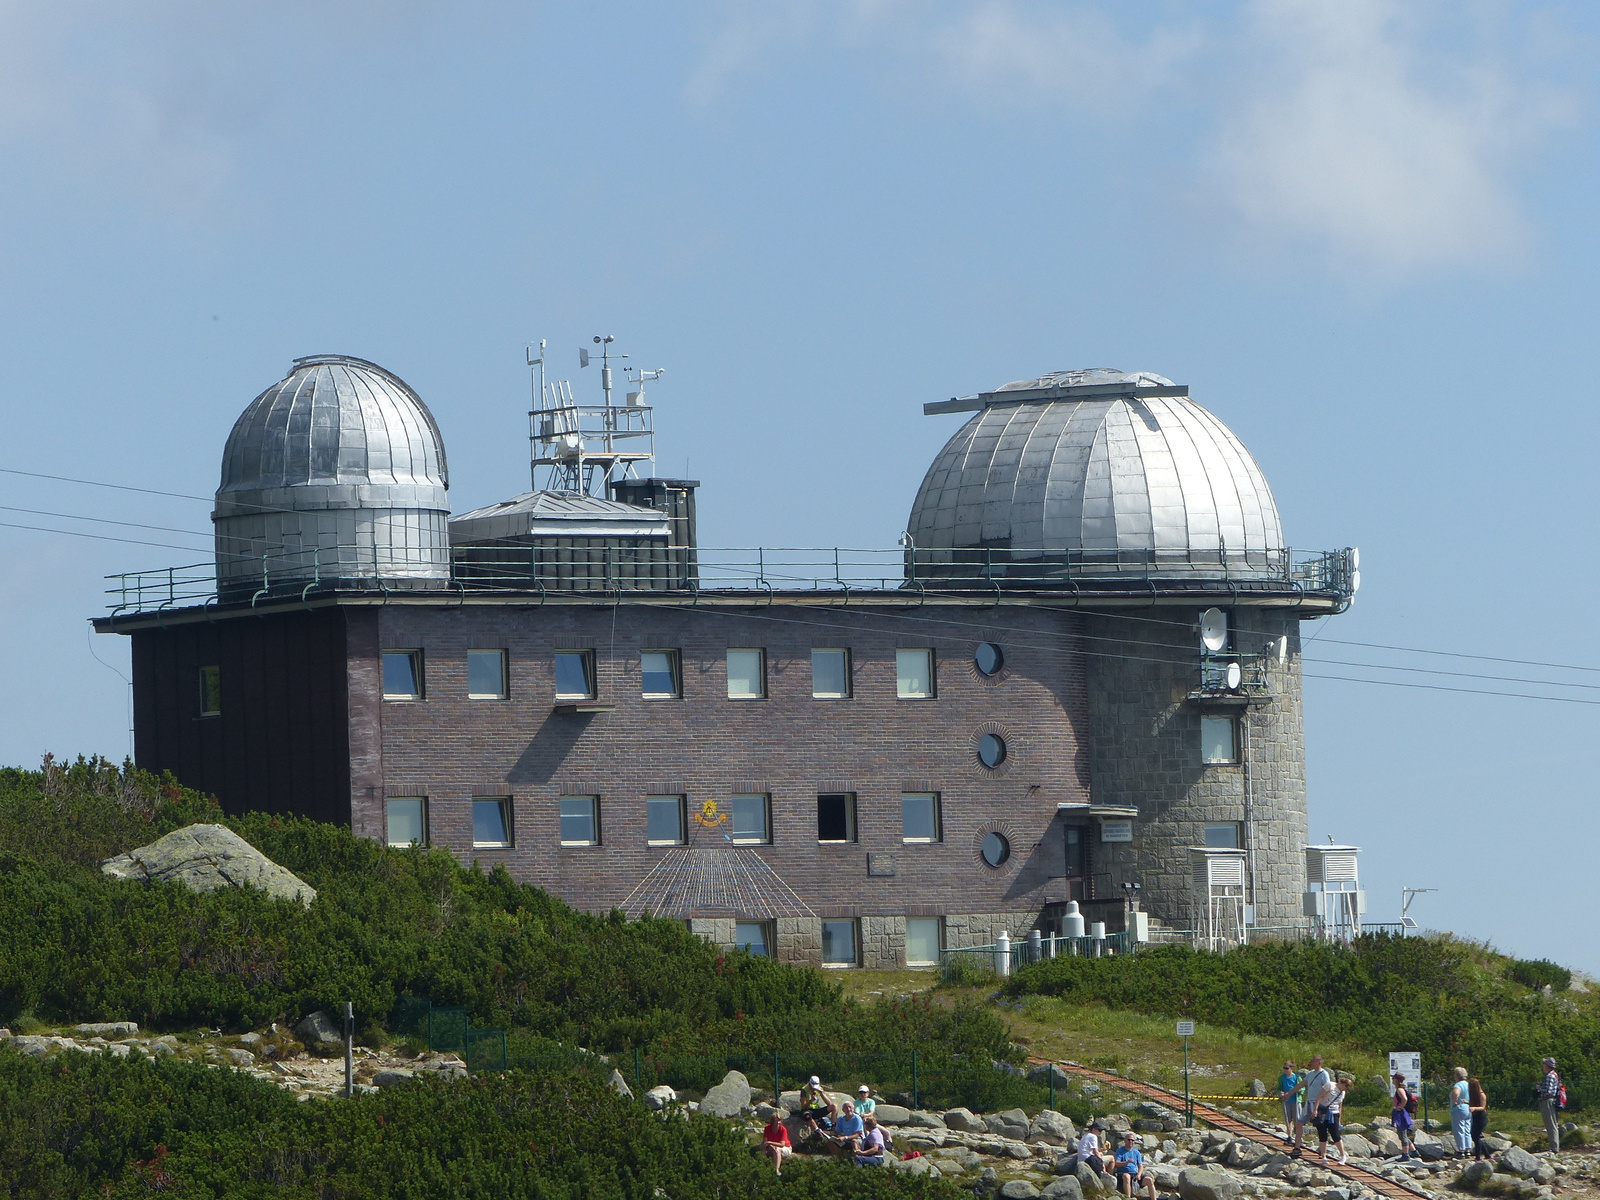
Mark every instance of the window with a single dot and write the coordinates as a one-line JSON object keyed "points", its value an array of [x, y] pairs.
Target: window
{"points": [[992, 750], [1223, 836], [914, 674], [580, 820], [1217, 740], [923, 935], [988, 658], [838, 943], [747, 674], [754, 937], [659, 676], [830, 674], [664, 820], [575, 675], [486, 674], [491, 822], [751, 823], [836, 817], [210, 691], [996, 849], [402, 674], [919, 817], [408, 821]]}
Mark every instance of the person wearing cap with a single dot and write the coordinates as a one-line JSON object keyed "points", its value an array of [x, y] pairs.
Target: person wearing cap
{"points": [[865, 1104], [815, 1106], [1089, 1148], [1130, 1168], [1550, 1103]]}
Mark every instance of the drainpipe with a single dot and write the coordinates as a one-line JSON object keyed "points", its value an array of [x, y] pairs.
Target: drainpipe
{"points": [[1249, 805]]}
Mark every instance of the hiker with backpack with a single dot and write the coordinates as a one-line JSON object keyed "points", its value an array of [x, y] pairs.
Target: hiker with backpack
{"points": [[1552, 1099], [1404, 1117]]}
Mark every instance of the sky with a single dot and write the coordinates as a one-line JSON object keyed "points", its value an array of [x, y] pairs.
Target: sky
{"points": [[1362, 233]]}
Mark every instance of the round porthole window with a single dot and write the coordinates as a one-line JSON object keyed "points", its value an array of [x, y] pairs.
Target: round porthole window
{"points": [[992, 750], [988, 658], [996, 849]]}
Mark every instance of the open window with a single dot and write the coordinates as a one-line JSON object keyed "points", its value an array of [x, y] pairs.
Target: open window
{"points": [[836, 817], [491, 822], [402, 674]]}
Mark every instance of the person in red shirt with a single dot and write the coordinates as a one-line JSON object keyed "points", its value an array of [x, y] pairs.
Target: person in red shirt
{"points": [[775, 1142]]}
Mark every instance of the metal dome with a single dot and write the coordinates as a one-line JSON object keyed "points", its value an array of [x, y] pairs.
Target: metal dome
{"points": [[337, 475], [1110, 471]]}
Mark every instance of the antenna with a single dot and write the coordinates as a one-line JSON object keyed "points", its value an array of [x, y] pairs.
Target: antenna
{"points": [[1234, 676], [1213, 629], [587, 447], [538, 402], [1407, 895]]}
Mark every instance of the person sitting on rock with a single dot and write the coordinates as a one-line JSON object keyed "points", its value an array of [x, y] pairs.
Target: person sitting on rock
{"points": [[1089, 1148], [847, 1129], [815, 1107], [873, 1147], [865, 1104], [1130, 1168], [775, 1142]]}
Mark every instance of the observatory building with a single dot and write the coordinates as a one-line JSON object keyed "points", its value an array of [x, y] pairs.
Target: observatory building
{"points": [[1075, 682]]}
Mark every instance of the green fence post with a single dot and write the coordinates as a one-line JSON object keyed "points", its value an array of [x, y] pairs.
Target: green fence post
{"points": [[914, 1096], [777, 1082], [1052, 1070], [638, 1077]]}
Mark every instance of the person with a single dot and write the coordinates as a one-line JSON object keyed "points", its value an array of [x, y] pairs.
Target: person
{"points": [[1130, 1168], [1550, 1103], [1316, 1082], [847, 1129], [865, 1104], [815, 1106], [775, 1142], [1089, 1148], [1328, 1106], [873, 1147], [1403, 1117], [1478, 1101], [1461, 1112], [1289, 1091]]}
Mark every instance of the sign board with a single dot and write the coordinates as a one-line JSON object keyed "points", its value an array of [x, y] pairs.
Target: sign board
{"points": [[1185, 1028], [1409, 1064], [1116, 831]]}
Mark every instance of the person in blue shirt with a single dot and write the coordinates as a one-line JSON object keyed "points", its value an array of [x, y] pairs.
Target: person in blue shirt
{"points": [[1130, 1168], [847, 1129], [1290, 1086]]}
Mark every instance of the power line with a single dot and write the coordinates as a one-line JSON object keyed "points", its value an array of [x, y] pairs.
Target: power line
{"points": [[121, 487], [40, 512], [99, 537]]}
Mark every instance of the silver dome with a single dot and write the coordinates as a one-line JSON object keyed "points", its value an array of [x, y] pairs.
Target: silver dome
{"points": [[1111, 475], [334, 475]]}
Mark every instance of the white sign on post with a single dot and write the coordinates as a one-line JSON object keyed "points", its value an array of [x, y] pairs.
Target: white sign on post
{"points": [[1409, 1064], [1185, 1028]]}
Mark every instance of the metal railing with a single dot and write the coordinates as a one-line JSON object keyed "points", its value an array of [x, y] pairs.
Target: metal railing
{"points": [[665, 568]]}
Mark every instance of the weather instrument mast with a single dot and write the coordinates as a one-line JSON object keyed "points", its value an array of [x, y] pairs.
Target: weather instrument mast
{"points": [[584, 448]]}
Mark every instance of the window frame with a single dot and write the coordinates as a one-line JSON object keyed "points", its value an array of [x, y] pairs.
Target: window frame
{"points": [[852, 829], [1238, 835], [844, 661], [422, 813], [674, 665], [1233, 730], [595, 833], [505, 672], [504, 804], [938, 942], [766, 819], [933, 680], [761, 672], [769, 937], [938, 822], [683, 822], [855, 944], [591, 680], [208, 680], [418, 679]]}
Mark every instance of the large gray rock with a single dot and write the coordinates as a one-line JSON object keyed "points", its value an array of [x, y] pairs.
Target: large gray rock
{"points": [[1385, 1141], [1257, 1088], [1018, 1189], [1517, 1161], [1431, 1151], [1088, 1181], [729, 1098], [892, 1114], [1041, 1075], [1474, 1173], [1357, 1146], [1204, 1183], [1013, 1123], [619, 1085], [962, 1120], [108, 1029], [926, 1120], [1052, 1128], [659, 1097], [319, 1031], [1065, 1188], [235, 1055], [206, 857], [392, 1078], [32, 1047]]}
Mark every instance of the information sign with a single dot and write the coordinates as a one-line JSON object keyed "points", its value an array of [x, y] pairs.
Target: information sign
{"points": [[1185, 1028], [1409, 1064], [1116, 831]]}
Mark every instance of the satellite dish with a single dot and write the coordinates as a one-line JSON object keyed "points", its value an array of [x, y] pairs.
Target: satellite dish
{"points": [[1213, 629], [1355, 582], [1355, 558], [1279, 649], [1234, 676]]}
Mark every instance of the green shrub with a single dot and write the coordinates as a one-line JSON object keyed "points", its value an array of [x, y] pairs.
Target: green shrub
{"points": [[1540, 972]]}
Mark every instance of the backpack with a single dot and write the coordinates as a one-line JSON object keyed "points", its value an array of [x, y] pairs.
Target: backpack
{"points": [[1561, 1096], [1411, 1101]]}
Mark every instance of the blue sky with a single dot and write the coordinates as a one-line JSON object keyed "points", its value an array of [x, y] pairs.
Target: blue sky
{"points": [[1364, 234]]}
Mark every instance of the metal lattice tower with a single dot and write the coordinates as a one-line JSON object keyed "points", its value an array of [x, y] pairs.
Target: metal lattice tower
{"points": [[584, 447]]}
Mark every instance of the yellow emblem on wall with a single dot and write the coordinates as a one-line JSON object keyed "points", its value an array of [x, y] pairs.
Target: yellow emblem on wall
{"points": [[710, 816]]}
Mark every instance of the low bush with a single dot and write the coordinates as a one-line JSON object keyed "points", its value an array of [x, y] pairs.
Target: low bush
{"points": [[1540, 972]]}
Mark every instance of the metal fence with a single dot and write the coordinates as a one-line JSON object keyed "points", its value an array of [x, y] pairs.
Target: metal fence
{"points": [[448, 1029]]}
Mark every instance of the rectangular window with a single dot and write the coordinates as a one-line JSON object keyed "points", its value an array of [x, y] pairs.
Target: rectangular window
{"points": [[923, 938], [919, 817], [575, 675], [486, 674], [754, 937], [210, 691], [580, 820], [836, 817], [747, 674], [1223, 836], [838, 943], [408, 821], [664, 820], [402, 674], [830, 674], [1218, 741], [491, 822], [659, 672], [751, 819], [914, 674]]}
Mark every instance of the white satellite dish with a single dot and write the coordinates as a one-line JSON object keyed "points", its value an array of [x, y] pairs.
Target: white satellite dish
{"points": [[1355, 558], [1234, 677], [1279, 649], [1355, 582], [1213, 629]]}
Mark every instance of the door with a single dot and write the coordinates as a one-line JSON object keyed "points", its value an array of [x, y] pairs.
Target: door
{"points": [[1077, 862]]}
